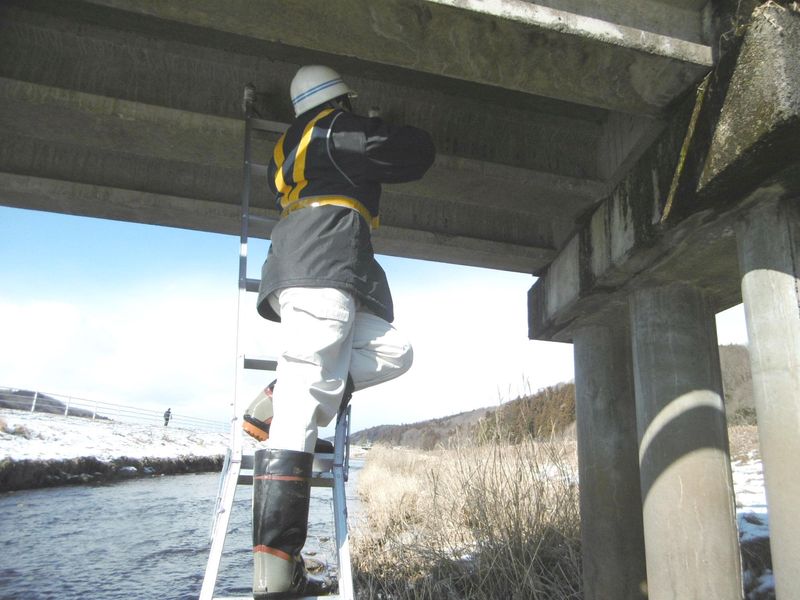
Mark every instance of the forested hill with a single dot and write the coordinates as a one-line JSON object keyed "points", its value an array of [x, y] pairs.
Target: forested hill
{"points": [[425, 434], [548, 411]]}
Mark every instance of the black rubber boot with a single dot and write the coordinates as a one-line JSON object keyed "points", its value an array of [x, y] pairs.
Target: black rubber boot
{"points": [[281, 491]]}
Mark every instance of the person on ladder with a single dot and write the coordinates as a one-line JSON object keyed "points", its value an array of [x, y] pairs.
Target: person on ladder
{"points": [[322, 283]]}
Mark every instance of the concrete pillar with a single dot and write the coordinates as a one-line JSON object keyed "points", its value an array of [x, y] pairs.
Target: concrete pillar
{"points": [[691, 540], [612, 540], [769, 255]]}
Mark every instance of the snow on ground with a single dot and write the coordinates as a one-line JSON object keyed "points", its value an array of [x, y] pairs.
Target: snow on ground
{"points": [[42, 436], [748, 481], [753, 521]]}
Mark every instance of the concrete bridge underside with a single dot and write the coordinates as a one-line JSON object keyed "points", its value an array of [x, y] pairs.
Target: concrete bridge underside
{"points": [[579, 141]]}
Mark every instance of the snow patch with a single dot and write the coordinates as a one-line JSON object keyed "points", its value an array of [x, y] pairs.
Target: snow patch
{"points": [[41, 436]]}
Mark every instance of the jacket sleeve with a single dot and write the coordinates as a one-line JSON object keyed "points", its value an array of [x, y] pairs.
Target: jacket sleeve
{"points": [[370, 149]]}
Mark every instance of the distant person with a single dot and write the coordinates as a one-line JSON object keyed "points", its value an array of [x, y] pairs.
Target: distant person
{"points": [[167, 416], [322, 282]]}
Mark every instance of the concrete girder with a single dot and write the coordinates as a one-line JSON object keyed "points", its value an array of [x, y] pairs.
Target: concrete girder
{"points": [[25, 191], [507, 44], [94, 58], [549, 196], [173, 153], [461, 250], [759, 124], [537, 164], [734, 161], [135, 206], [682, 19]]}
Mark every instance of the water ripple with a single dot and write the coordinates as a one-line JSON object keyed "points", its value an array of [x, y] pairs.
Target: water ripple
{"points": [[141, 539]]}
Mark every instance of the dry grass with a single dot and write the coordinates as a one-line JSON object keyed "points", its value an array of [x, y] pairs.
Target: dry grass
{"points": [[496, 520], [491, 521]]}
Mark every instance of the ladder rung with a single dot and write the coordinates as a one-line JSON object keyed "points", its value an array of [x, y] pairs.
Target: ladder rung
{"points": [[265, 125], [251, 285], [259, 364], [260, 219], [258, 168]]}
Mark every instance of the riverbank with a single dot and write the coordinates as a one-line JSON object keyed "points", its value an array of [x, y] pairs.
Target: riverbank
{"points": [[33, 474], [45, 450]]}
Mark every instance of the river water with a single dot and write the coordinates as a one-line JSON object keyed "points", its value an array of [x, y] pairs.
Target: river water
{"points": [[141, 539]]}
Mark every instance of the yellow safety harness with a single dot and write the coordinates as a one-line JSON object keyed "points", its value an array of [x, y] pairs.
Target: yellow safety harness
{"points": [[374, 222], [290, 194]]}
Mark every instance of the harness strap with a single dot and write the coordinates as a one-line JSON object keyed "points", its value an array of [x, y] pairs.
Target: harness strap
{"points": [[290, 178], [352, 203]]}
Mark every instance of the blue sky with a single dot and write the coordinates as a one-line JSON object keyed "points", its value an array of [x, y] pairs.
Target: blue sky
{"points": [[146, 316]]}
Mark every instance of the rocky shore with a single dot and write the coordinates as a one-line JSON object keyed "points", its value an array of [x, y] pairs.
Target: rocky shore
{"points": [[30, 474]]}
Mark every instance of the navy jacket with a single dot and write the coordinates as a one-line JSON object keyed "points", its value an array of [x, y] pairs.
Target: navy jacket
{"points": [[338, 160]]}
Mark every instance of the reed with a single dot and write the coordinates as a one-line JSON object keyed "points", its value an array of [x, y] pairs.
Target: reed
{"points": [[484, 521]]}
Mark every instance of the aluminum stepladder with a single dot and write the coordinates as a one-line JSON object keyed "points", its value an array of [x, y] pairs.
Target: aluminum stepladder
{"points": [[329, 470]]}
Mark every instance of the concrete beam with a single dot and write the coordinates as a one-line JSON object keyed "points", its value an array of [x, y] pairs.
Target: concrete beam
{"points": [[612, 538], [165, 152], [691, 540], [460, 250], [759, 123], [197, 76], [632, 238], [480, 182], [158, 87], [174, 106], [508, 44], [681, 19], [769, 246], [137, 206]]}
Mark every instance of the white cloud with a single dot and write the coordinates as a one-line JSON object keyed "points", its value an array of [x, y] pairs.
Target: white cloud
{"points": [[36, 336], [142, 347]]}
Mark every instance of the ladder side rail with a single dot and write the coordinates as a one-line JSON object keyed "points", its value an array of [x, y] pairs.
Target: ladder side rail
{"points": [[236, 432], [221, 520], [220, 492], [341, 456], [246, 189], [346, 465], [342, 536], [231, 477]]}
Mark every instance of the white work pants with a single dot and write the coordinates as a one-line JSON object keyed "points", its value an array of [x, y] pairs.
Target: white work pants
{"points": [[326, 336]]}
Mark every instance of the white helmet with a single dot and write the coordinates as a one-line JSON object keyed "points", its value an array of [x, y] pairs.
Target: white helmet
{"points": [[314, 85]]}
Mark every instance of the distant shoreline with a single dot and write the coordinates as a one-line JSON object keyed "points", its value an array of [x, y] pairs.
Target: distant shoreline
{"points": [[26, 474]]}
